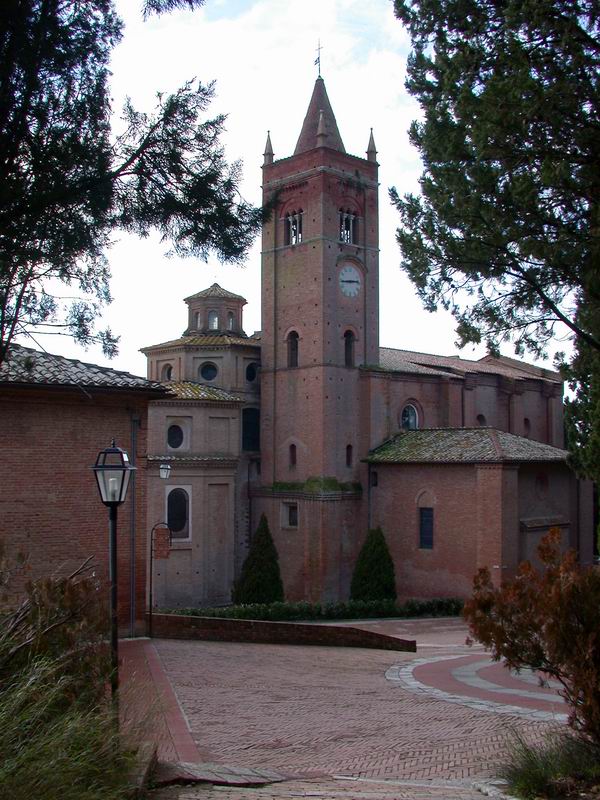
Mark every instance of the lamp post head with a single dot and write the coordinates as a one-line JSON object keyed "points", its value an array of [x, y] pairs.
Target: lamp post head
{"points": [[164, 471], [113, 472]]}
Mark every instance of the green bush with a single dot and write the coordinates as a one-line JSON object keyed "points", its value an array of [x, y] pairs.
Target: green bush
{"points": [[373, 577], [260, 578], [353, 609], [546, 770]]}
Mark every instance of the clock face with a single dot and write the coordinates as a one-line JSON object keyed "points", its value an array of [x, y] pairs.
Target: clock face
{"points": [[350, 280]]}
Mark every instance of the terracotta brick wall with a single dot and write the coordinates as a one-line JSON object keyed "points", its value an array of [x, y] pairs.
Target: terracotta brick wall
{"points": [[49, 502], [171, 626]]}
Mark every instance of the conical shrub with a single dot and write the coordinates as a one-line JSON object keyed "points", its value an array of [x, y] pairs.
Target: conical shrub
{"points": [[373, 577], [260, 578]]}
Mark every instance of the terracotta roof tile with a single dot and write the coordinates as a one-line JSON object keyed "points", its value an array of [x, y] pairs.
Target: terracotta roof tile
{"points": [[28, 366], [401, 360], [215, 291], [205, 340], [190, 390], [461, 446]]}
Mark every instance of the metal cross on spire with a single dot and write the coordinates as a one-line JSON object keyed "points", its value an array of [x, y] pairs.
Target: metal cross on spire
{"points": [[318, 58]]}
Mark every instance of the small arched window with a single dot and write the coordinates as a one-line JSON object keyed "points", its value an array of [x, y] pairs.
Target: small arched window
{"points": [[349, 349], [481, 421], [292, 341], [409, 419], [349, 455], [166, 374], [213, 321], [526, 428], [293, 227], [198, 319], [230, 320], [178, 513], [292, 455]]}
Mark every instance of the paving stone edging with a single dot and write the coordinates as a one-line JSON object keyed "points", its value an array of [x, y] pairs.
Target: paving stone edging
{"points": [[402, 674], [178, 626]]}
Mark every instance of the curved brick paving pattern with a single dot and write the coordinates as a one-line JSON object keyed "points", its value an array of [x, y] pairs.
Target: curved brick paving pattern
{"points": [[319, 711]]}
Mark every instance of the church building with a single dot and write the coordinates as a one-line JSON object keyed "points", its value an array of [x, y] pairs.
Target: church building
{"points": [[313, 424]]}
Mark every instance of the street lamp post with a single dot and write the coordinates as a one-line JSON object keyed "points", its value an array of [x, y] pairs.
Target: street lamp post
{"points": [[113, 472], [164, 472]]}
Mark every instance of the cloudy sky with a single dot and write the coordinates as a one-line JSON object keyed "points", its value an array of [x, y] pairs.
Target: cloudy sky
{"points": [[261, 55]]}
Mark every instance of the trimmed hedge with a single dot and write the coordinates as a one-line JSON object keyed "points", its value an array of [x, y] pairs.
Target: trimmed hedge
{"points": [[353, 609]]}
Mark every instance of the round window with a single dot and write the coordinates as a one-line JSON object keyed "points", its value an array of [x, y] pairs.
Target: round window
{"points": [[251, 372], [208, 371], [174, 436]]}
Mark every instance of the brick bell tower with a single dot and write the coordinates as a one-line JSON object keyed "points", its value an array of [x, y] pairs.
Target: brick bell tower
{"points": [[320, 323]]}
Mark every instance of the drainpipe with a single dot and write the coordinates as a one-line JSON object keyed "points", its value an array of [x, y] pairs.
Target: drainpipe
{"points": [[135, 424]]}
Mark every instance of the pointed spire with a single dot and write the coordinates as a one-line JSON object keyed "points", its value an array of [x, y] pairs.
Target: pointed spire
{"points": [[319, 121], [268, 154], [371, 149]]}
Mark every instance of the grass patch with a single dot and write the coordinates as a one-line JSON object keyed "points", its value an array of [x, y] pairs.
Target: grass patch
{"points": [[558, 768], [54, 748], [353, 609]]}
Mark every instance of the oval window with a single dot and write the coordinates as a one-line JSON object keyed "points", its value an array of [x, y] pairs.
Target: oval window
{"points": [[251, 372], [174, 436], [208, 371], [177, 512]]}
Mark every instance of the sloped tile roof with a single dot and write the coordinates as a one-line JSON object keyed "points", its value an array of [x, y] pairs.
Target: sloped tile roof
{"points": [[461, 446], [190, 390], [215, 291], [32, 367], [395, 360], [208, 340], [404, 360]]}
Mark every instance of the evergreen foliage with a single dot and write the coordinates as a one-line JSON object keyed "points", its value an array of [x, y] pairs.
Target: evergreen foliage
{"points": [[67, 181], [260, 578], [373, 577], [505, 234]]}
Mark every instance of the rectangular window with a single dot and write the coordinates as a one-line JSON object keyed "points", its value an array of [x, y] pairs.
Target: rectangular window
{"points": [[426, 528], [289, 515]]}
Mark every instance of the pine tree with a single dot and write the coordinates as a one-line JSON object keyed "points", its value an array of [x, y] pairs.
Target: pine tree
{"points": [[260, 579], [68, 181], [505, 231], [373, 577]]}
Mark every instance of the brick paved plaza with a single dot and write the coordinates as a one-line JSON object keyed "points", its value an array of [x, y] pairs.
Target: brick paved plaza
{"points": [[346, 722]]}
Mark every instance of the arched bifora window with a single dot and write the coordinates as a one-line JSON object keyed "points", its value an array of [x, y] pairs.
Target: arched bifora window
{"points": [[409, 419], [348, 227], [292, 222], [292, 342], [178, 513], [349, 349], [213, 321]]}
